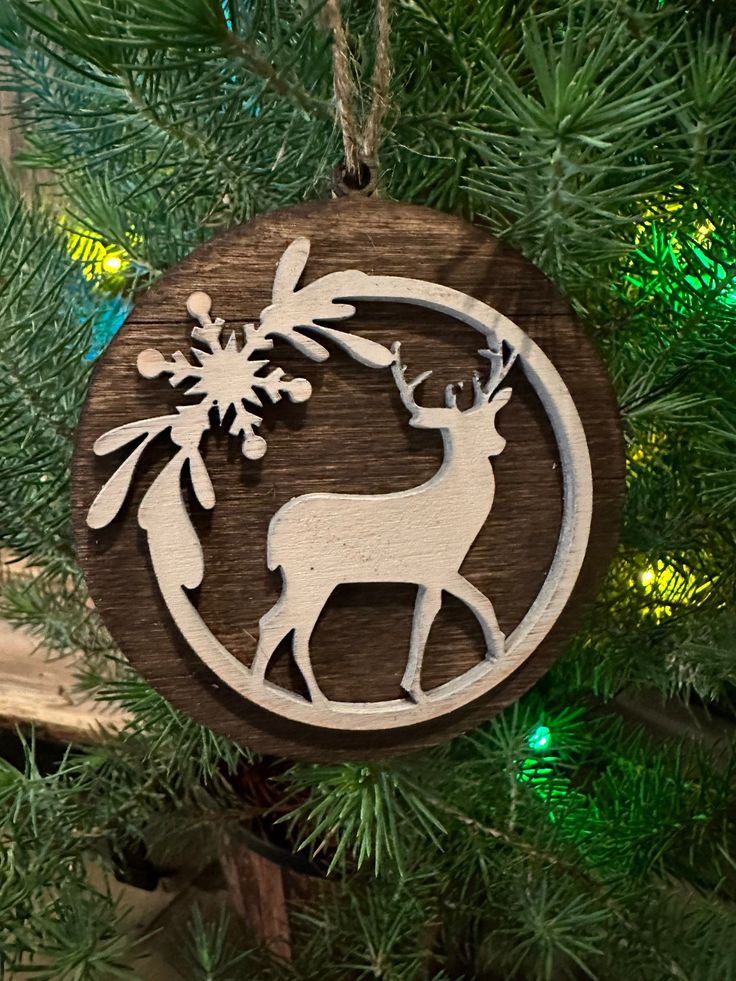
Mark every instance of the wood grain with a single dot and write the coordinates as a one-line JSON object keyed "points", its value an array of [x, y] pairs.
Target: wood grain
{"points": [[350, 437], [256, 889], [44, 693]]}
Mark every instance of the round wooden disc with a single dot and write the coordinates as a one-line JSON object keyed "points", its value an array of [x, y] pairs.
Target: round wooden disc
{"points": [[351, 436]]}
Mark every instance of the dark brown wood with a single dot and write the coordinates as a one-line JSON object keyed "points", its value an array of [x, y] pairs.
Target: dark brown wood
{"points": [[256, 890], [351, 436]]}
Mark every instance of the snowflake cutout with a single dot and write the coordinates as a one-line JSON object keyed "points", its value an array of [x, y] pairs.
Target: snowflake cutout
{"points": [[227, 377]]}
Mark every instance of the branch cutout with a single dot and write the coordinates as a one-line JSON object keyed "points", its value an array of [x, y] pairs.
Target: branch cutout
{"points": [[233, 377]]}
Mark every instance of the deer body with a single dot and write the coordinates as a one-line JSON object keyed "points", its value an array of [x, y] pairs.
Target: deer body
{"points": [[420, 535], [408, 536]]}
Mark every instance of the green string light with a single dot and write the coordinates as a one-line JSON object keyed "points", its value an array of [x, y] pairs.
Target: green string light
{"points": [[680, 266], [540, 738]]}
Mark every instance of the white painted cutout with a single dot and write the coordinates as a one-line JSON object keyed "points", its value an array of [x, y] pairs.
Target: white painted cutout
{"points": [[420, 535]]}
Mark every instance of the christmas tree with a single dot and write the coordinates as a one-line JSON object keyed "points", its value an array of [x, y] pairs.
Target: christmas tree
{"points": [[584, 832]]}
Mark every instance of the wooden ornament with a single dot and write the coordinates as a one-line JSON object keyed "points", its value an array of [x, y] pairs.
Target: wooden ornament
{"points": [[309, 546]]}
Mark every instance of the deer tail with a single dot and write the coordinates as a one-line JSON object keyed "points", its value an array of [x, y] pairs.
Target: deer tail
{"points": [[272, 561], [274, 550]]}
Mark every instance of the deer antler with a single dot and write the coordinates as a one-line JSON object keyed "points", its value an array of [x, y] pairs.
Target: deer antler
{"points": [[500, 367], [406, 389], [451, 394]]}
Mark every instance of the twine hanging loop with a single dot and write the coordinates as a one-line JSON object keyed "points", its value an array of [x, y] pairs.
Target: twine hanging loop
{"points": [[360, 138]]}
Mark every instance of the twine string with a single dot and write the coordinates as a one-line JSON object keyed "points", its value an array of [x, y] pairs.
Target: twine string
{"points": [[361, 149]]}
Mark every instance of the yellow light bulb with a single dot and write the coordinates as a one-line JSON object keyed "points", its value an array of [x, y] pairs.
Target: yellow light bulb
{"points": [[647, 576], [112, 263], [704, 231]]}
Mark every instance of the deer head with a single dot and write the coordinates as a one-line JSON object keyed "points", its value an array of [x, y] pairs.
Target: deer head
{"points": [[477, 422]]}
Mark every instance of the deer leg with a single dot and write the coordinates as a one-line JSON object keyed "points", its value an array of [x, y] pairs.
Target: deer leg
{"points": [[426, 608], [308, 616], [482, 609], [272, 628]]}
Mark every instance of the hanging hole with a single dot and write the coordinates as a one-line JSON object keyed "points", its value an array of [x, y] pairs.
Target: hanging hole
{"points": [[345, 182]]}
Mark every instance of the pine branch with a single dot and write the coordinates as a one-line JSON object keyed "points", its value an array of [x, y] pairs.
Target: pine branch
{"points": [[245, 53]]}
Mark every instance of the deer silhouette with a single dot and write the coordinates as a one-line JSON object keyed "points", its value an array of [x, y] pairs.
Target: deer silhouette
{"points": [[420, 535]]}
